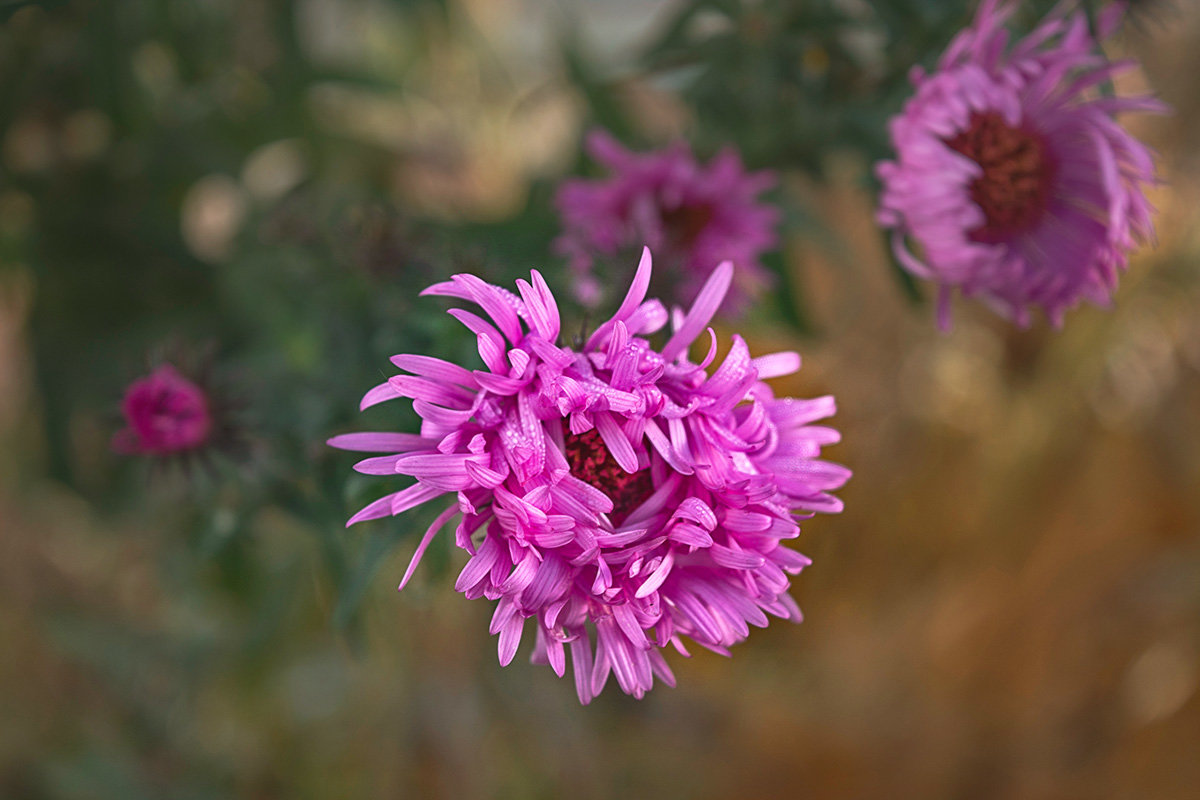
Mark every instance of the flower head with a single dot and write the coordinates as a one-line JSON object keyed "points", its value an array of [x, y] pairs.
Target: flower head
{"points": [[614, 497], [692, 215], [165, 414], [1012, 180]]}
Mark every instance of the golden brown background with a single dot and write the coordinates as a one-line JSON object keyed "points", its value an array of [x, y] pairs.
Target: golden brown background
{"points": [[1008, 608]]}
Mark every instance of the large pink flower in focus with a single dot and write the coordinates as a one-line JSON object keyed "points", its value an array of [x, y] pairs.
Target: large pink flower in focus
{"points": [[691, 215], [615, 497], [1012, 180], [165, 413]]}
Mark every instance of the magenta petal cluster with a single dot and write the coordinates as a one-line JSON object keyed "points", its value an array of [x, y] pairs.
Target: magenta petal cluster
{"points": [[1012, 181], [615, 498], [691, 215], [165, 413]]}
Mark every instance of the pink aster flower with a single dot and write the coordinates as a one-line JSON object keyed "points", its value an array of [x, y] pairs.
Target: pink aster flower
{"points": [[165, 414], [692, 215], [1013, 182], [615, 498]]}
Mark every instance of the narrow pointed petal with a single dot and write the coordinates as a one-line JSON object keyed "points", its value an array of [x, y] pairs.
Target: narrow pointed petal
{"points": [[702, 311]]}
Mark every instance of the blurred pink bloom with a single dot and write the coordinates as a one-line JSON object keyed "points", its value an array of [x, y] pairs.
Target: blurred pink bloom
{"points": [[1013, 182], [693, 216], [165, 413], [618, 497]]}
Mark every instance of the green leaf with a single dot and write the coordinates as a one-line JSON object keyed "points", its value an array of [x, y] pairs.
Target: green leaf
{"points": [[378, 547]]}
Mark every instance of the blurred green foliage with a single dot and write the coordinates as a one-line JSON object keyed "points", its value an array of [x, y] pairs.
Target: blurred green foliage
{"points": [[174, 184]]}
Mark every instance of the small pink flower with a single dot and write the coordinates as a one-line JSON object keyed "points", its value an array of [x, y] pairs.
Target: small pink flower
{"points": [[165, 413], [616, 497], [693, 216], [1013, 181]]}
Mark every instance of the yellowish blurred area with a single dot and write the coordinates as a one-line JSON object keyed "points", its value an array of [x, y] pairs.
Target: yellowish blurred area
{"points": [[1008, 608]]}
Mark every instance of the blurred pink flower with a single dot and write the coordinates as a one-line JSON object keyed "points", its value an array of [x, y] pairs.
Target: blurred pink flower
{"points": [[165, 413], [1013, 182], [617, 496], [691, 215]]}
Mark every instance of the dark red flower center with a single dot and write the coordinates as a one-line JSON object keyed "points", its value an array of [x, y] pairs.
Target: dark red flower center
{"points": [[1014, 189], [592, 463], [684, 224]]}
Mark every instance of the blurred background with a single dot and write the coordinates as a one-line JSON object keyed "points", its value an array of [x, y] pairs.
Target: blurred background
{"points": [[1008, 608]]}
